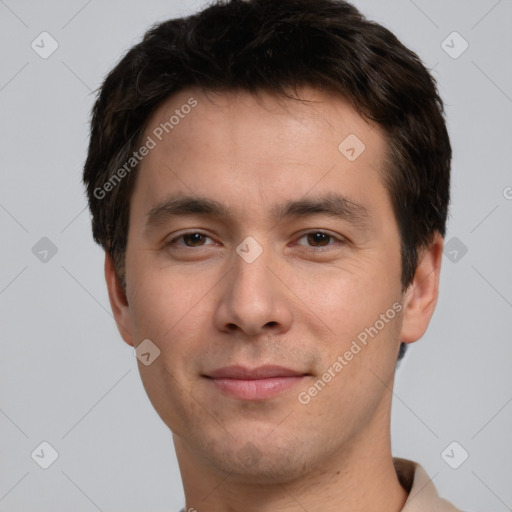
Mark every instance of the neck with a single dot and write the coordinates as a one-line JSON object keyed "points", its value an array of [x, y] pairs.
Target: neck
{"points": [[357, 477]]}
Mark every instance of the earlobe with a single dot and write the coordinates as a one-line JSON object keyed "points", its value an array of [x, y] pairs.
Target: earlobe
{"points": [[421, 297], [118, 301]]}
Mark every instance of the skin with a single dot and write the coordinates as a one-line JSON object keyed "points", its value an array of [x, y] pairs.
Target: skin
{"points": [[300, 304]]}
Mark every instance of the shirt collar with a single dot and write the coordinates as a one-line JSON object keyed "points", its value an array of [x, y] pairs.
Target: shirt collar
{"points": [[423, 496]]}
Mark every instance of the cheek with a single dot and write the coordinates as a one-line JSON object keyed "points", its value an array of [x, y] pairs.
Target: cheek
{"points": [[358, 355], [163, 303], [170, 310], [347, 297]]}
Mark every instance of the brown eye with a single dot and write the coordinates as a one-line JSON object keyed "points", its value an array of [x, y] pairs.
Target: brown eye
{"points": [[193, 239], [318, 239], [321, 240]]}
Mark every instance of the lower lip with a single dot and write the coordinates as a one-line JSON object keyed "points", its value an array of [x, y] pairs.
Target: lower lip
{"points": [[257, 389]]}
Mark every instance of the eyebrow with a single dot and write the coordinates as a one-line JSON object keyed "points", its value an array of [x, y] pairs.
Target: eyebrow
{"points": [[331, 204]]}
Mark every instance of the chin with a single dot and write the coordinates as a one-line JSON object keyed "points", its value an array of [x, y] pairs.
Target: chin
{"points": [[258, 462]]}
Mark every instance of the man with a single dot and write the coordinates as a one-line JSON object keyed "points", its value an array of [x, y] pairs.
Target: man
{"points": [[270, 182]]}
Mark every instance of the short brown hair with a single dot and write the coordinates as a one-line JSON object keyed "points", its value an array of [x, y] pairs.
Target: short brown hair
{"points": [[278, 46]]}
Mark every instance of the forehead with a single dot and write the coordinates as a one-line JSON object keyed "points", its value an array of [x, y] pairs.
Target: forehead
{"points": [[234, 145], [223, 115]]}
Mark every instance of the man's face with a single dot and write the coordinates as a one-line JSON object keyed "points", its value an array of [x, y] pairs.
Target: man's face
{"points": [[201, 291]]}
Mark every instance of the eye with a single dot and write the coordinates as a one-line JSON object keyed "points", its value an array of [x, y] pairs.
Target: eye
{"points": [[318, 239], [193, 239]]}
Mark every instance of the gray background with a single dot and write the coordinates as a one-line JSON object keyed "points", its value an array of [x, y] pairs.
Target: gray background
{"points": [[67, 378]]}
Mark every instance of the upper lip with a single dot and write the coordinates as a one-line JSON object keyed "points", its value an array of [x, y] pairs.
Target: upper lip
{"points": [[261, 372]]}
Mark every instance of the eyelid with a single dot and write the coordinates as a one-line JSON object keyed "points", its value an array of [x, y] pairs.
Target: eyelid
{"points": [[336, 236], [175, 237]]}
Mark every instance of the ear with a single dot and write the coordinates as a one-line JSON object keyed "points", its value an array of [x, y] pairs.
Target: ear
{"points": [[421, 296], [118, 301]]}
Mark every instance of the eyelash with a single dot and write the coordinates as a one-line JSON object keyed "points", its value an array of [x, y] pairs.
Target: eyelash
{"points": [[339, 239]]}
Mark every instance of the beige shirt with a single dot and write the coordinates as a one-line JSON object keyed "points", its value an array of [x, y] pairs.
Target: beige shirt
{"points": [[423, 496]]}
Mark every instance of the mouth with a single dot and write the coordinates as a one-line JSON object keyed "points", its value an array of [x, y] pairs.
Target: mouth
{"points": [[254, 384]]}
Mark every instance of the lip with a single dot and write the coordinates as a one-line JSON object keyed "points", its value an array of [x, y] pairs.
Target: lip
{"points": [[254, 384]]}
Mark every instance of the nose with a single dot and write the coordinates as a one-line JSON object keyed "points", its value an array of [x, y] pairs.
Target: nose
{"points": [[253, 300]]}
